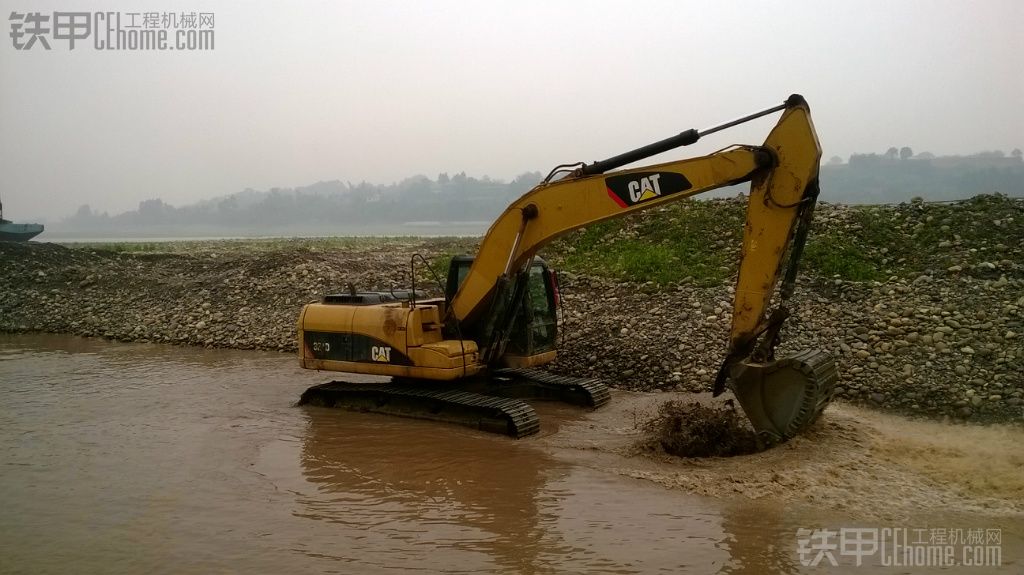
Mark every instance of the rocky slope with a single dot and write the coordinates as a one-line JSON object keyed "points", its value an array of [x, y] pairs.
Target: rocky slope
{"points": [[922, 304]]}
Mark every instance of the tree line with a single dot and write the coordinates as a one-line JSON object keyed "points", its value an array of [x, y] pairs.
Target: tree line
{"points": [[899, 175], [894, 176], [323, 205]]}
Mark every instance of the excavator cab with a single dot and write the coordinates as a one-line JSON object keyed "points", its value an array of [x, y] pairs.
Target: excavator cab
{"points": [[536, 323], [533, 336]]}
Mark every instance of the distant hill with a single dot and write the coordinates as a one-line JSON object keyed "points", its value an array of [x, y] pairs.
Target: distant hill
{"points": [[323, 208], [338, 208], [877, 179]]}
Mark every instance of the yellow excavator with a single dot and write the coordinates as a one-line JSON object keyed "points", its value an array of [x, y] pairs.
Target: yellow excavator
{"points": [[473, 356]]}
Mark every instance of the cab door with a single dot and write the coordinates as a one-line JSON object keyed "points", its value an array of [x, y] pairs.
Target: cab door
{"points": [[536, 324]]}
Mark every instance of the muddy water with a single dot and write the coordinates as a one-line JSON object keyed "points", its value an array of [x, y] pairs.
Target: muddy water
{"points": [[123, 458]]}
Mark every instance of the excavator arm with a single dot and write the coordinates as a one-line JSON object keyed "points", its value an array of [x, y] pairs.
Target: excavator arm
{"points": [[783, 172]]}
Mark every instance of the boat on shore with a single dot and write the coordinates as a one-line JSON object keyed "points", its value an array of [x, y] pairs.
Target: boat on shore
{"points": [[12, 232]]}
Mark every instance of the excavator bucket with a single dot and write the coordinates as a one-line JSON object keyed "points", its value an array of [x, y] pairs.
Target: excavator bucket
{"points": [[783, 397]]}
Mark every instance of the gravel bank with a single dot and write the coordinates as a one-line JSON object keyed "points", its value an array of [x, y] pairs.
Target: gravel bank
{"points": [[936, 339]]}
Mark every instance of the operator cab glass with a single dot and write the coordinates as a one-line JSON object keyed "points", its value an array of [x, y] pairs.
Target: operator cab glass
{"points": [[536, 322]]}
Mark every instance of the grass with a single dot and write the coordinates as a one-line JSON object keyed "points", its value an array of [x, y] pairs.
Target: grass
{"points": [[830, 255], [882, 241], [698, 241], [693, 242]]}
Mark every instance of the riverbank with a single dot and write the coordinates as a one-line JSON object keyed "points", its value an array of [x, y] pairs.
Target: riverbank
{"points": [[922, 304]]}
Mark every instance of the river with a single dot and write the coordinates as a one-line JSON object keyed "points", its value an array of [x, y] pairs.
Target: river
{"points": [[130, 458]]}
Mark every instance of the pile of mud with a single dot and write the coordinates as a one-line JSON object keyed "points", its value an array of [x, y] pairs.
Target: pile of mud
{"points": [[692, 429]]}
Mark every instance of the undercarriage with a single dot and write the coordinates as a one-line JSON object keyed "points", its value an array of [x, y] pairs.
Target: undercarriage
{"points": [[496, 404]]}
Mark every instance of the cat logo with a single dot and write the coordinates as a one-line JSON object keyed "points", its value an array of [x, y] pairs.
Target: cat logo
{"points": [[631, 189], [381, 353], [644, 188]]}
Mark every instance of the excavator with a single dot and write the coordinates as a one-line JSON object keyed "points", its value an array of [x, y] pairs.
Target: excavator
{"points": [[474, 356]]}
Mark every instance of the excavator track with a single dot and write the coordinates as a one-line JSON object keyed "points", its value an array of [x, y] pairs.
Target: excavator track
{"points": [[507, 416], [534, 383]]}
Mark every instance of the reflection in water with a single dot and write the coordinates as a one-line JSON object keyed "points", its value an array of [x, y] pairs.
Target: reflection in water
{"points": [[486, 503], [757, 540], [438, 485]]}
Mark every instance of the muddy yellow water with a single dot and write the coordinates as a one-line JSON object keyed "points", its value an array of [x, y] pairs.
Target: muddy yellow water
{"points": [[119, 458]]}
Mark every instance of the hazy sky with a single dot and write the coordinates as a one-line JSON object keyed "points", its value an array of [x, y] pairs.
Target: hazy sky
{"points": [[296, 92]]}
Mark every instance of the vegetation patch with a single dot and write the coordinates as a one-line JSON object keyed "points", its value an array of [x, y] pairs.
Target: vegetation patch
{"points": [[699, 242], [695, 242], [834, 256]]}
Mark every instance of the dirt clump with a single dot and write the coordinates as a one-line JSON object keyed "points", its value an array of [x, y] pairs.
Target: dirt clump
{"points": [[692, 429]]}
